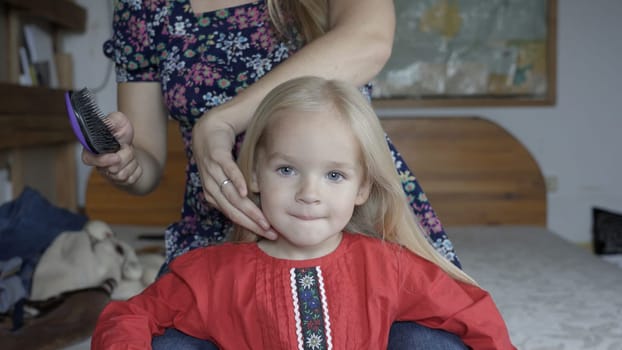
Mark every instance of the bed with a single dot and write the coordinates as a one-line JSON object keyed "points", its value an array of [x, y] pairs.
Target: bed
{"points": [[490, 194]]}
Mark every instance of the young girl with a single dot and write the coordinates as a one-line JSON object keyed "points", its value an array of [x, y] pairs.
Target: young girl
{"points": [[208, 64], [349, 259]]}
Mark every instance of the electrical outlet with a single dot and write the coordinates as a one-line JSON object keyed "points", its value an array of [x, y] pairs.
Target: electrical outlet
{"points": [[551, 183]]}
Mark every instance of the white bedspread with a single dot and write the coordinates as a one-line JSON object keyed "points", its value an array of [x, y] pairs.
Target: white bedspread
{"points": [[552, 294]]}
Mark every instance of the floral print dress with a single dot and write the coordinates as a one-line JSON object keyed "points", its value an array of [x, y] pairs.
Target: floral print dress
{"points": [[201, 61]]}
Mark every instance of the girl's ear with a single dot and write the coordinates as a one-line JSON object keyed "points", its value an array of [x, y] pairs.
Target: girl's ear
{"points": [[363, 194]]}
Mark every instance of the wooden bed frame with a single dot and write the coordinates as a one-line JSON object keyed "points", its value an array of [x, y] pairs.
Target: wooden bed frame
{"points": [[473, 172]]}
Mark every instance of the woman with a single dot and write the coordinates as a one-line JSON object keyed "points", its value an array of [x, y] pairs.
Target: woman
{"points": [[316, 155], [208, 64]]}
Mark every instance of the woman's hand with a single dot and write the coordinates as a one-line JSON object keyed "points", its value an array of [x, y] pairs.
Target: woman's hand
{"points": [[122, 167], [223, 183]]}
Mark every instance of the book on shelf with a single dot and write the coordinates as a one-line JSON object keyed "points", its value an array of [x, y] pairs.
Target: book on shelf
{"points": [[40, 52], [25, 77]]}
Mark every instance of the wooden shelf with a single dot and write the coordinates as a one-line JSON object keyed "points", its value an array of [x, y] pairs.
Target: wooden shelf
{"points": [[63, 13], [32, 116], [37, 143]]}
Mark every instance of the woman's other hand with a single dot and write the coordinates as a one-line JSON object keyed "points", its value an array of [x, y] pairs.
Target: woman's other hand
{"points": [[121, 167], [223, 183], [140, 127]]}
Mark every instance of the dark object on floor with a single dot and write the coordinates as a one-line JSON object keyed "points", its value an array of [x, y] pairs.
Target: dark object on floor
{"points": [[62, 321], [28, 224], [151, 237], [606, 231]]}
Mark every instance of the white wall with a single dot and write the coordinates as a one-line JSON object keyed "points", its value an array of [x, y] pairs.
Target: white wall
{"points": [[577, 141]]}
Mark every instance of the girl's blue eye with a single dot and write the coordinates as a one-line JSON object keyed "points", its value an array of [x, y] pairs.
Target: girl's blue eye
{"points": [[285, 170], [334, 176]]}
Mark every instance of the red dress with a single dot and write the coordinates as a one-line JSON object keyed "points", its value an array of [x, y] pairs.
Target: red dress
{"points": [[347, 299]]}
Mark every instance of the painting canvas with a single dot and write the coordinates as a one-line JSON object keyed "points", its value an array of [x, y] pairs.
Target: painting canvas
{"points": [[465, 49]]}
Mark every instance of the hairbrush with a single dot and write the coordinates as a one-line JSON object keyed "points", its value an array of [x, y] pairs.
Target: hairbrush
{"points": [[89, 123]]}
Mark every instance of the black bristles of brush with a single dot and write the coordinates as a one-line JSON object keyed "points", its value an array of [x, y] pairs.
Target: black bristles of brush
{"points": [[94, 124]]}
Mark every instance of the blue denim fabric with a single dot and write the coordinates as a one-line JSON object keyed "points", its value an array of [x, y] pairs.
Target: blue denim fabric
{"points": [[173, 339], [28, 225], [11, 287], [403, 336], [413, 336]]}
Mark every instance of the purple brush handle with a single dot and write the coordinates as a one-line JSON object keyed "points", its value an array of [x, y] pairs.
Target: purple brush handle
{"points": [[74, 123]]}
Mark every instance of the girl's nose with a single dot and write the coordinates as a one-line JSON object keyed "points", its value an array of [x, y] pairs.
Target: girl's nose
{"points": [[308, 192]]}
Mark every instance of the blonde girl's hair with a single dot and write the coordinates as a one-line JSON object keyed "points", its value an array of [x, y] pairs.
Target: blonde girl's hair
{"points": [[309, 17], [386, 214]]}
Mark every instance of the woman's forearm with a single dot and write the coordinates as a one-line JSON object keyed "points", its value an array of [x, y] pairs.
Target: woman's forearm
{"points": [[150, 175], [355, 49], [142, 103]]}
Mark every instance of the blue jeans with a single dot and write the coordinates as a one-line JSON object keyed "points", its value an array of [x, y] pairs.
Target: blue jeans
{"points": [[413, 336], [403, 336]]}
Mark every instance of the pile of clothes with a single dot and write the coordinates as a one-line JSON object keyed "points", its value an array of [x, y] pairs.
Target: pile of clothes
{"points": [[54, 264]]}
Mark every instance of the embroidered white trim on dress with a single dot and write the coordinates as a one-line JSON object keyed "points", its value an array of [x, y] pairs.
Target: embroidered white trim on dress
{"points": [[329, 338], [312, 305], [292, 274]]}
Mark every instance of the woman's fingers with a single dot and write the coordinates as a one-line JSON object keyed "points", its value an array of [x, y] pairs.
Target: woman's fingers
{"points": [[225, 189], [224, 195], [127, 174], [224, 186], [242, 211], [121, 127], [234, 175], [100, 160], [121, 167]]}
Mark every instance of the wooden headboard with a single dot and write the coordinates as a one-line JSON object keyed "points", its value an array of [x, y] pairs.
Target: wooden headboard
{"points": [[472, 171]]}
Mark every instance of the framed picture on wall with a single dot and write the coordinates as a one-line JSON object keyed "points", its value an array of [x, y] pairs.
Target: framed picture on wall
{"points": [[470, 53]]}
